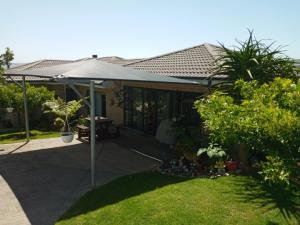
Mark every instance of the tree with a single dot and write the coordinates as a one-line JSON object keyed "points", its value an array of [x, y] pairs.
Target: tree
{"points": [[254, 60], [1, 71], [5, 60], [7, 57], [267, 120]]}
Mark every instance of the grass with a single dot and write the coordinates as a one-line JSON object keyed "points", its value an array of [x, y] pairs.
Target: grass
{"points": [[153, 198], [19, 136]]}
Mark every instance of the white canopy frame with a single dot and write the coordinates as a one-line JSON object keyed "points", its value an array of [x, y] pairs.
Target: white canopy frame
{"points": [[23, 86], [82, 73]]}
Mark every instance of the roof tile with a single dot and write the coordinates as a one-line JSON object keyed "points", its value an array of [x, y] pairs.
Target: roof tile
{"points": [[197, 61]]}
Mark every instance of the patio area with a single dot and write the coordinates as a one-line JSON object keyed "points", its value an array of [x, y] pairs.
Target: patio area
{"points": [[39, 180]]}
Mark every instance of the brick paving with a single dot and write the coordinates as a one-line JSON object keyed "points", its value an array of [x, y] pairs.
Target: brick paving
{"points": [[41, 179]]}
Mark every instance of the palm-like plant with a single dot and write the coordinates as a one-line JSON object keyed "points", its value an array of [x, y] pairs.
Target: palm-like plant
{"points": [[254, 60], [63, 111]]}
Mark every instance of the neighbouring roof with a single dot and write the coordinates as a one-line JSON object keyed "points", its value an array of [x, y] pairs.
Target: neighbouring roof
{"points": [[12, 65], [55, 62], [38, 64], [297, 62], [118, 60], [193, 62]]}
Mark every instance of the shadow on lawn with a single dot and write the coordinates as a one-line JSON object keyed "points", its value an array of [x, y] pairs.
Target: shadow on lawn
{"points": [[286, 199], [120, 189], [20, 135]]}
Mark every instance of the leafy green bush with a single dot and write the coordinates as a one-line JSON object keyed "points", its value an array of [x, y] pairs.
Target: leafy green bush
{"points": [[37, 96], [212, 151], [266, 119], [11, 95], [274, 170], [215, 154]]}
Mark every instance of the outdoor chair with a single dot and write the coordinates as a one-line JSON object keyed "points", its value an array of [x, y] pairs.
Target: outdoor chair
{"points": [[83, 131]]}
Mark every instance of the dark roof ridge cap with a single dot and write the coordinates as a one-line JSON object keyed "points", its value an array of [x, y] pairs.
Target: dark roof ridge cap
{"points": [[111, 56], [169, 53]]}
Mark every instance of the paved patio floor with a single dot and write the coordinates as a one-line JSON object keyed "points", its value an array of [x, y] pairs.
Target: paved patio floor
{"points": [[41, 179]]}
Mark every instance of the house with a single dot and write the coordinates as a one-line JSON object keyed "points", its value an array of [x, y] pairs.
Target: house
{"points": [[146, 105], [139, 105]]}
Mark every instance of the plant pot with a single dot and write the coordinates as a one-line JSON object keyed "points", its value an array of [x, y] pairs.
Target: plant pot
{"points": [[221, 171], [67, 137], [9, 109], [231, 165]]}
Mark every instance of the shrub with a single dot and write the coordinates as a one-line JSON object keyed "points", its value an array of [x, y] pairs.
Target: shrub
{"points": [[11, 95], [266, 119], [274, 170]]}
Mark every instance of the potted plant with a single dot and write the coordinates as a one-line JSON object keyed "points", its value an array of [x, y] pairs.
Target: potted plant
{"points": [[9, 107], [64, 113], [231, 165], [220, 166], [216, 155], [187, 137]]}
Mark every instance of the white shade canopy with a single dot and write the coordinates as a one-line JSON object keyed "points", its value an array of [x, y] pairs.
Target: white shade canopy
{"points": [[94, 69]]}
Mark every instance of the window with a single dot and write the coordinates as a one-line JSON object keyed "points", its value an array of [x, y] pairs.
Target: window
{"points": [[145, 108]]}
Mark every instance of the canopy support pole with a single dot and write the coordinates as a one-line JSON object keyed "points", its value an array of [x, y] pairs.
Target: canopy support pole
{"points": [[78, 93], [93, 133], [25, 109]]}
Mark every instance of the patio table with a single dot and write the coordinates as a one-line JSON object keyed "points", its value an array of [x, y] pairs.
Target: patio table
{"points": [[102, 125]]}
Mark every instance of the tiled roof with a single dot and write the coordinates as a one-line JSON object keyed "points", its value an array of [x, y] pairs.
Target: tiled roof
{"points": [[38, 64], [118, 60], [194, 62], [54, 62]]}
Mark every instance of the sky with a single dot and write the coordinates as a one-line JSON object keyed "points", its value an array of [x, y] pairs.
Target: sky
{"points": [[73, 29]]}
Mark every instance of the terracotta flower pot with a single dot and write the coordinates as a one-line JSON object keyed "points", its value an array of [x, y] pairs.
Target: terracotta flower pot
{"points": [[231, 165]]}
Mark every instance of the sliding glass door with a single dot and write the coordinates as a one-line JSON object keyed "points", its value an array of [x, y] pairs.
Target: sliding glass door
{"points": [[150, 111], [145, 109], [137, 109]]}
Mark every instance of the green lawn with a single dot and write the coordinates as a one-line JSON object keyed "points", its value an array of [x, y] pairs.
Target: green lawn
{"points": [[19, 136], [152, 198]]}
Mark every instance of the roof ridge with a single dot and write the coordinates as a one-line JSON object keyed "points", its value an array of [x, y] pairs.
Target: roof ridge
{"points": [[58, 60], [29, 65], [210, 49], [111, 56], [166, 54], [35, 63]]}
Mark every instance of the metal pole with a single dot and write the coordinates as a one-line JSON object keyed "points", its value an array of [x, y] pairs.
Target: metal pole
{"points": [[26, 110], [93, 132]]}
